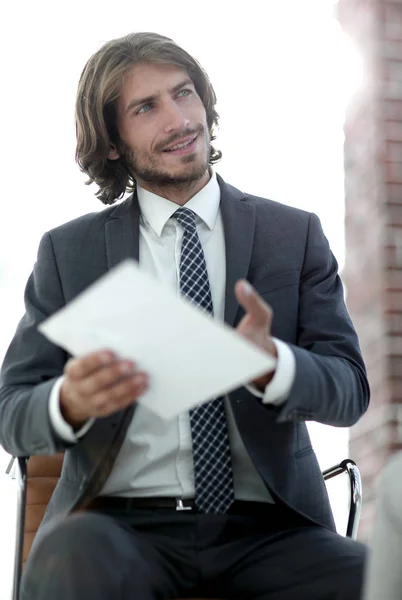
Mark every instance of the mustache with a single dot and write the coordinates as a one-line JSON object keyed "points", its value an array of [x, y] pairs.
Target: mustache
{"points": [[179, 136]]}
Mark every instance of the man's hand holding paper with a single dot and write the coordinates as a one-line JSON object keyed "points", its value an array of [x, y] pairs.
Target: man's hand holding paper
{"points": [[167, 339], [97, 385]]}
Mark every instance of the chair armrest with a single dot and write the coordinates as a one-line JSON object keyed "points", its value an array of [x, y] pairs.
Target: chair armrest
{"points": [[356, 493], [10, 465]]}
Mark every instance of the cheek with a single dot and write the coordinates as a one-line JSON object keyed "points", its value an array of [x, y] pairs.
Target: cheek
{"points": [[138, 137], [197, 111]]}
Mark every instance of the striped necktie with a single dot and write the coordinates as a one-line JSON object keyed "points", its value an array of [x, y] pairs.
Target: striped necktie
{"points": [[211, 450]]}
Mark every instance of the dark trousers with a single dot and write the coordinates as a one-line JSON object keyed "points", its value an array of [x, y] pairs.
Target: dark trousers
{"points": [[159, 554]]}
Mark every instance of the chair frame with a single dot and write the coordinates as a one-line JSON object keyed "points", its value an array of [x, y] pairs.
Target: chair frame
{"points": [[347, 466]]}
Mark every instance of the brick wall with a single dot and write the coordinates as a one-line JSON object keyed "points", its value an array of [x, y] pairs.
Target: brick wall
{"points": [[373, 192]]}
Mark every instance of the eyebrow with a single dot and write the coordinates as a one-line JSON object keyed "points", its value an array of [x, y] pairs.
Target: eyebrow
{"points": [[149, 99]]}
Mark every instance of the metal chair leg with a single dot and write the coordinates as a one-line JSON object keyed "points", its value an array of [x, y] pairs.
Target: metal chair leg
{"points": [[21, 502]]}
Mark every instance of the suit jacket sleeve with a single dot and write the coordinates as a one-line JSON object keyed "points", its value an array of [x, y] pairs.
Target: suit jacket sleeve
{"points": [[32, 365], [330, 384]]}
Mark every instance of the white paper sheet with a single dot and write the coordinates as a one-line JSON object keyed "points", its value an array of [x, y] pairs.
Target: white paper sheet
{"points": [[190, 357]]}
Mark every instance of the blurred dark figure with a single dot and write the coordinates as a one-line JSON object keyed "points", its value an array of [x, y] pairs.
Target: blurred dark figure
{"points": [[384, 572]]}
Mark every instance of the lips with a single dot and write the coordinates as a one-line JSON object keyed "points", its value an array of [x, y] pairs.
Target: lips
{"points": [[181, 144]]}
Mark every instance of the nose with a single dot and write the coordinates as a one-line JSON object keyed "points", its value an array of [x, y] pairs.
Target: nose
{"points": [[174, 118]]}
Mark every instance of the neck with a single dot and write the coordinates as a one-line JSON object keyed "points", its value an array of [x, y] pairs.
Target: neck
{"points": [[179, 193]]}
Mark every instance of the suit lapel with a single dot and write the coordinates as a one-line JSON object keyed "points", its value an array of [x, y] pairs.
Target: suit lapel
{"points": [[122, 241], [239, 223], [122, 232]]}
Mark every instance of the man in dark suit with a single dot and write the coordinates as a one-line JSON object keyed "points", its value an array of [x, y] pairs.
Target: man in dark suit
{"points": [[227, 500]]}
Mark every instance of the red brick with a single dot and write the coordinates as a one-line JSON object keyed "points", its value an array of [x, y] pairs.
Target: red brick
{"points": [[394, 152], [393, 69], [395, 389], [395, 367], [394, 192], [393, 88], [392, 258], [393, 21], [393, 323], [373, 220], [392, 50], [391, 110], [394, 172], [393, 218], [394, 278], [393, 131]]}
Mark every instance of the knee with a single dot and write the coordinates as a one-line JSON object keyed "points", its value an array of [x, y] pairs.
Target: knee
{"points": [[70, 541], [77, 530], [80, 545]]}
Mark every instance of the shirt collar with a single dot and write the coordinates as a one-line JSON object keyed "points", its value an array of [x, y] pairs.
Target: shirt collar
{"points": [[157, 210]]}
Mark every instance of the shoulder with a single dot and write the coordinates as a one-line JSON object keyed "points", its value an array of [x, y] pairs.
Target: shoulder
{"points": [[268, 209], [89, 224], [273, 207]]}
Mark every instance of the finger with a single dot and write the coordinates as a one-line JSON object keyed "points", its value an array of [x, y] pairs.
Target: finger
{"points": [[121, 394], [252, 303], [79, 368], [105, 377]]}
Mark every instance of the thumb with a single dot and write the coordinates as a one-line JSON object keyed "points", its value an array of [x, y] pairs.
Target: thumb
{"points": [[253, 304]]}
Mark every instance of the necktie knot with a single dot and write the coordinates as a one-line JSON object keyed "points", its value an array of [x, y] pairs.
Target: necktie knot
{"points": [[186, 218]]}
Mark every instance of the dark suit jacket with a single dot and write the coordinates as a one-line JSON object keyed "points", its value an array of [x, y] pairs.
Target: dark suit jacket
{"points": [[282, 251]]}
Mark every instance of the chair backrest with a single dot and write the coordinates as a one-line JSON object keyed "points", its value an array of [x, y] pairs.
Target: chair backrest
{"points": [[43, 473]]}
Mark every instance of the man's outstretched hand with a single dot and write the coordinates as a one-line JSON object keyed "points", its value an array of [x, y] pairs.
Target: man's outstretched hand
{"points": [[256, 324]]}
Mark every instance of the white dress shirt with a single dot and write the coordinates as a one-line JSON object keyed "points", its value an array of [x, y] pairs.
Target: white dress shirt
{"points": [[156, 456]]}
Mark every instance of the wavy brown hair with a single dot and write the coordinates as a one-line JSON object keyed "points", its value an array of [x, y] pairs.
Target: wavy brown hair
{"points": [[95, 110]]}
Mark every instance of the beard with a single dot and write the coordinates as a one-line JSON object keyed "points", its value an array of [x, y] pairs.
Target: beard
{"points": [[146, 166]]}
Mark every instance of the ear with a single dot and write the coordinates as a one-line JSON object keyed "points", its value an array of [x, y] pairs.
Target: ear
{"points": [[113, 154]]}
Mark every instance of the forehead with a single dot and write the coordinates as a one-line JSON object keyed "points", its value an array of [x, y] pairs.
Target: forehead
{"points": [[149, 79]]}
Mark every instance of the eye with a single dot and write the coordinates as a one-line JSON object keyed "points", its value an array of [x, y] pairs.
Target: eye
{"points": [[144, 109], [184, 93]]}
